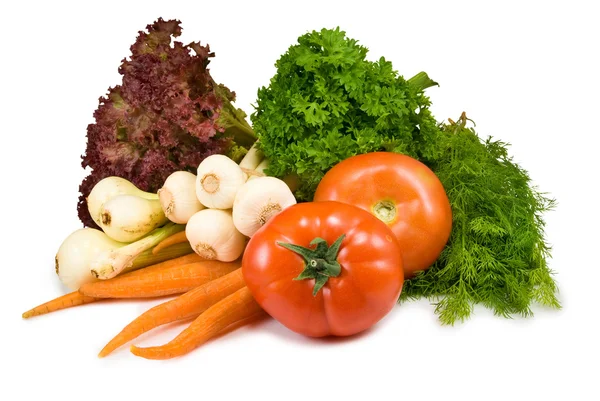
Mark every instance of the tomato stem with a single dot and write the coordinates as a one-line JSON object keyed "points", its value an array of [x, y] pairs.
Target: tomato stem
{"points": [[385, 211], [320, 262]]}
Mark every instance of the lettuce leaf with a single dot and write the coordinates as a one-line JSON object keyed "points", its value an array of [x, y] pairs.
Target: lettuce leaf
{"points": [[167, 114]]}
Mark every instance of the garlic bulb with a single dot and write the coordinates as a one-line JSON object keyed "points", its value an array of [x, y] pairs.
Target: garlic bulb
{"points": [[257, 201], [218, 180], [213, 236], [89, 255], [76, 254], [178, 197], [108, 188], [127, 218]]}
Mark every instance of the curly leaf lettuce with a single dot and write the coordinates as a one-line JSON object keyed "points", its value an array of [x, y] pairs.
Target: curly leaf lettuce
{"points": [[168, 114]]}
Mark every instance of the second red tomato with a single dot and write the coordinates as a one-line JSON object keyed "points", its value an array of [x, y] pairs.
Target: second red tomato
{"points": [[402, 192]]}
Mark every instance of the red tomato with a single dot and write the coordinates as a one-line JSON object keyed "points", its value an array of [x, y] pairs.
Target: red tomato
{"points": [[402, 192], [324, 268]]}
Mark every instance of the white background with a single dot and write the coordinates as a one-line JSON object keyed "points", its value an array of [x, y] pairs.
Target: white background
{"points": [[526, 72]]}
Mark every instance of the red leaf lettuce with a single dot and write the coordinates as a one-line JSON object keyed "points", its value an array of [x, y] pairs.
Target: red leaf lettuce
{"points": [[168, 114]]}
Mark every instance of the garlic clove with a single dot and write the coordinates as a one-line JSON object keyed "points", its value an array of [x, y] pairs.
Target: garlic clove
{"points": [[178, 197], [128, 218], [108, 188], [76, 254], [213, 236], [218, 180], [257, 201]]}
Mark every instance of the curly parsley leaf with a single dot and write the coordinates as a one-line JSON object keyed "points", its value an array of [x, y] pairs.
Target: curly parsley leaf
{"points": [[327, 102]]}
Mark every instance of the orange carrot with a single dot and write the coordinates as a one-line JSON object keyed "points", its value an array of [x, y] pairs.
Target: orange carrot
{"points": [[167, 264], [185, 306], [164, 265], [176, 238], [65, 301], [229, 311], [174, 280], [76, 298]]}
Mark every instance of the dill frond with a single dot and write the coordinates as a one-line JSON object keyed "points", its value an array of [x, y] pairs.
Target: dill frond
{"points": [[497, 253]]}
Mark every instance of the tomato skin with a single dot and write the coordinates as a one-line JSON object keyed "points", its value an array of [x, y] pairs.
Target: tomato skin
{"points": [[423, 219], [367, 288]]}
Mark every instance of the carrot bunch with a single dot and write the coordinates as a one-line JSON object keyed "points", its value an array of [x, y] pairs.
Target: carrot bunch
{"points": [[211, 292]]}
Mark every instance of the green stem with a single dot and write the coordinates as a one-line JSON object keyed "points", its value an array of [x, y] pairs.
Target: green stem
{"points": [[241, 132], [422, 81], [320, 263], [113, 262], [148, 258], [253, 158], [234, 121]]}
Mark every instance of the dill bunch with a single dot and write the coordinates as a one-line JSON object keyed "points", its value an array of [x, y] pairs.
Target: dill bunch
{"points": [[497, 254]]}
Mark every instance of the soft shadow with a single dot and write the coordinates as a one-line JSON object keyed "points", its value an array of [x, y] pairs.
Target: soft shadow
{"points": [[273, 327]]}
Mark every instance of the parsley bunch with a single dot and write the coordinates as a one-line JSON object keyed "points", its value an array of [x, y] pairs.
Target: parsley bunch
{"points": [[327, 102]]}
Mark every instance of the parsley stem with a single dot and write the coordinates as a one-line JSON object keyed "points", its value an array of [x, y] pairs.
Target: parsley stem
{"points": [[422, 81]]}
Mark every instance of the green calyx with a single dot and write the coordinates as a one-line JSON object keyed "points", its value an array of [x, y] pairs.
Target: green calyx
{"points": [[320, 262]]}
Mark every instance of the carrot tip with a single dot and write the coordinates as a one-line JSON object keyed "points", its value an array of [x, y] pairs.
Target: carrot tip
{"points": [[105, 351], [140, 351]]}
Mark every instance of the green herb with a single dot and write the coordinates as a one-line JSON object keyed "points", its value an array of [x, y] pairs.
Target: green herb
{"points": [[496, 255], [327, 103]]}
